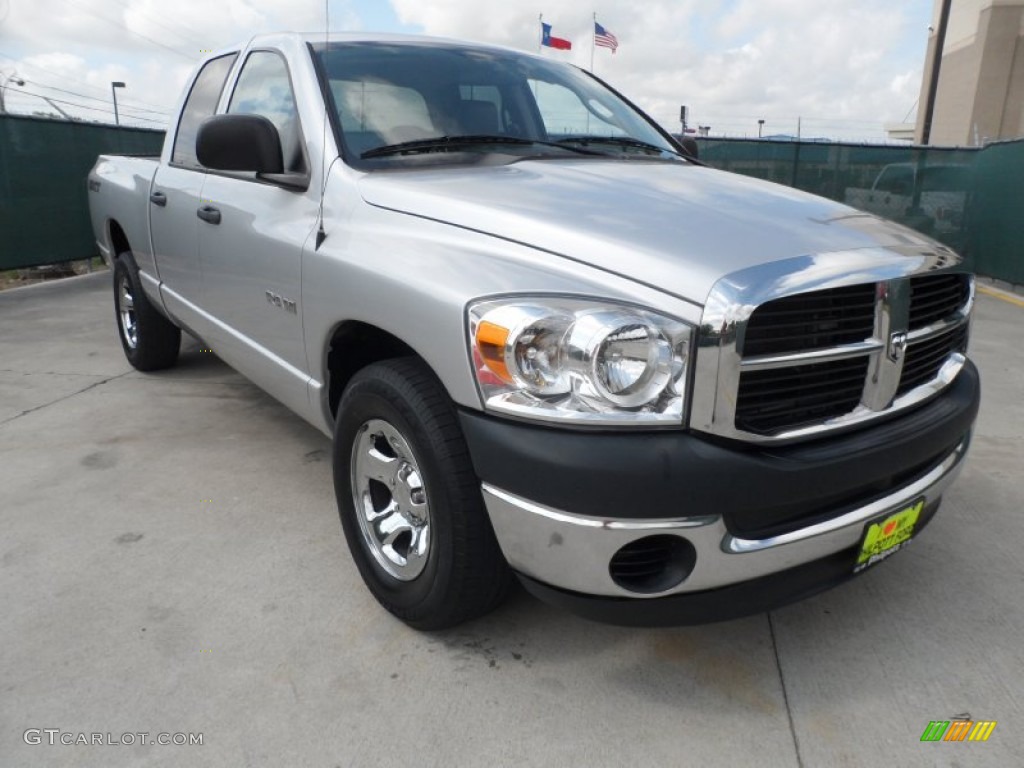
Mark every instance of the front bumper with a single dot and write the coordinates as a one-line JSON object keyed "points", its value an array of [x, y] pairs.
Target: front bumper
{"points": [[733, 601], [563, 503]]}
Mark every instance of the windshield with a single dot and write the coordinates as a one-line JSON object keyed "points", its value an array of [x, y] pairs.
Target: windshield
{"points": [[391, 97]]}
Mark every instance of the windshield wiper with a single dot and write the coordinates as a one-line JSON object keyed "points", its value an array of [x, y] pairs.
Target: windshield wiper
{"points": [[454, 143], [622, 141]]}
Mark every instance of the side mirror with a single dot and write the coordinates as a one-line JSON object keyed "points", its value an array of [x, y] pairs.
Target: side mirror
{"points": [[239, 143]]}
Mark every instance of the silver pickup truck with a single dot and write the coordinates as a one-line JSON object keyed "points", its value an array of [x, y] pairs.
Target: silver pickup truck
{"points": [[546, 341]]}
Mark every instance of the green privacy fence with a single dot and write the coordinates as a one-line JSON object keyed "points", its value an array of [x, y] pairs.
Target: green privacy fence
{"points": [[996, 225], [44, 214], [968, 198]]}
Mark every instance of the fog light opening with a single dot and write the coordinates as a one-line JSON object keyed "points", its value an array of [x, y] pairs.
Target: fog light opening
{"points": [[653, 564]]}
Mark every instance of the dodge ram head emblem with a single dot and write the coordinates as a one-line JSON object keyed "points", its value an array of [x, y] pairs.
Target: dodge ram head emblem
{"points": [[897, 346]]}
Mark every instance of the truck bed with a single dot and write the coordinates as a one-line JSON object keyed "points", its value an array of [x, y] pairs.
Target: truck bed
{"points": [[122, 184]]}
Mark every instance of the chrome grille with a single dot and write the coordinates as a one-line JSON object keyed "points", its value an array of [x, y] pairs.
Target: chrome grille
{"points": [[812, 321], [925, 358], [783, 398], [793, 392], [833, 351], [935, 297]]}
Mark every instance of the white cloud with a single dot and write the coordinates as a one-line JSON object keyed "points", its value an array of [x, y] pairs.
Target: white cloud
{"points": [[845, 68], [80, 46]]}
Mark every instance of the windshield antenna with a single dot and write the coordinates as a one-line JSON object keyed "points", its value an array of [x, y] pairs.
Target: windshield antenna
{"points": [[321, 235]]}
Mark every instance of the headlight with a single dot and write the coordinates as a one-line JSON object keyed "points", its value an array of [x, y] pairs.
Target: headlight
{"points": [[579, 361]]}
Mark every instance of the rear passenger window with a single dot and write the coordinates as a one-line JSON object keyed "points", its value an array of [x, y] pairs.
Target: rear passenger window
{"points": [[264, 88], [201, 104]]}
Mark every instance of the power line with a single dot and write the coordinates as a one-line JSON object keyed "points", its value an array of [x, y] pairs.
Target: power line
{"points": [[96, 98], [131, 31], [86, 106], [23, 63], [193, 33], [907, 116]]}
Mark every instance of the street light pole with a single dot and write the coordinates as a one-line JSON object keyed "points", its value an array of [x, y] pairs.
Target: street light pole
{"points": [[7, 80], [113, 90]]}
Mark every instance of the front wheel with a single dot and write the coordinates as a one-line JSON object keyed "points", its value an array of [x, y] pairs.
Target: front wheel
{"points": [[410, 501], [150, 341]]}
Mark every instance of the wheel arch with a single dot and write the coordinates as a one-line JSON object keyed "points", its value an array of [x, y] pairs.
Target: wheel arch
{"points": [[118, 241], [352, 345]]}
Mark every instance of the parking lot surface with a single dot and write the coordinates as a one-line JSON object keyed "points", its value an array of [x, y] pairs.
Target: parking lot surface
{"points": [[171, 562]]}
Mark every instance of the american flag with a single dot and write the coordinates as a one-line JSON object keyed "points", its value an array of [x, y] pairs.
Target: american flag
{"points": [[604, 38]]}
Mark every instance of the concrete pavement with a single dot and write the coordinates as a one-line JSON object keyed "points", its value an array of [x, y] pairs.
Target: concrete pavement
{"points": [[171, 561]]}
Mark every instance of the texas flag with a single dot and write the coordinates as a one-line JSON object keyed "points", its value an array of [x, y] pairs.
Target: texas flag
{"points": [[553, 42]]}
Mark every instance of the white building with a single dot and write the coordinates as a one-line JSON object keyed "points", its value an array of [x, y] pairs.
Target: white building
{"points": [[980, 95]]}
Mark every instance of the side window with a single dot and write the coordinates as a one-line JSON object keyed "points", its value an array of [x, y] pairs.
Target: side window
{"points": [[264, 88], [564, 114], [200, 104], [896, 180]]}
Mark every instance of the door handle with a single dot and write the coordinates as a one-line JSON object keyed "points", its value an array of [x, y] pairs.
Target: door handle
{"points": [[158, 198], [209, 213]]}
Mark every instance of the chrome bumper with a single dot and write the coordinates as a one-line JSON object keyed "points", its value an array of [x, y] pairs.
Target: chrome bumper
{"points": [[572, 552]]}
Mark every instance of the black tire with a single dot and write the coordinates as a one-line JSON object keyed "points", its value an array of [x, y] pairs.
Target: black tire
{"points": [[152, 342], [464, 574]]}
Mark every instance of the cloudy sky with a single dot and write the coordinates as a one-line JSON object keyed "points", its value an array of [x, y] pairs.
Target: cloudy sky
{"points": [[844, 68]]}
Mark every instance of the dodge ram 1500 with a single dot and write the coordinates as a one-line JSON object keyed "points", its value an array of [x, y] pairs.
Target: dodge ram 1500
{"points": [[545, 340]]}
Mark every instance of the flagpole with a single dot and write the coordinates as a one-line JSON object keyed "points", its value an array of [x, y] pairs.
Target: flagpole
{"points": [[593, 45], [540, 45]]}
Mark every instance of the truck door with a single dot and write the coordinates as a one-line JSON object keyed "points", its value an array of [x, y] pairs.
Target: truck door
{"points": [[175, 195], [251, 235]]}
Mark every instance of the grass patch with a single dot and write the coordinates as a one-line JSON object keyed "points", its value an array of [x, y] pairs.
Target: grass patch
{"points": [[14, 278]]}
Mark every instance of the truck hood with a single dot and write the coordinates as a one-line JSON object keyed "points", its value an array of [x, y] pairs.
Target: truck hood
{"points": [[676, 227]]}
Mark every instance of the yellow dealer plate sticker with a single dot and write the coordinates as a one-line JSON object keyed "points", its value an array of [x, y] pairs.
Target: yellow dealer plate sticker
{"points": [[888, 535]]}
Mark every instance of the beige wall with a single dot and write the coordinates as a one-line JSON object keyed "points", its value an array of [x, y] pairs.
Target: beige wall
{"points": [[964, 16], [981, 82]]}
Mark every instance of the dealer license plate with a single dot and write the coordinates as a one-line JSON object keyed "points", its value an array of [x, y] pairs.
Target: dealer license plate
{"points": [[887, 535]]}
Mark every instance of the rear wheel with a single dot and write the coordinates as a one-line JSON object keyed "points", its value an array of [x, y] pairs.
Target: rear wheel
{"points": [[410, 501], [149, 339]]}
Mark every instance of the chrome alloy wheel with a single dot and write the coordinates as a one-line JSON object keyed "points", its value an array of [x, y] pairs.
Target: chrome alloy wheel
{"points": [[126, 303], [390, 500]]}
